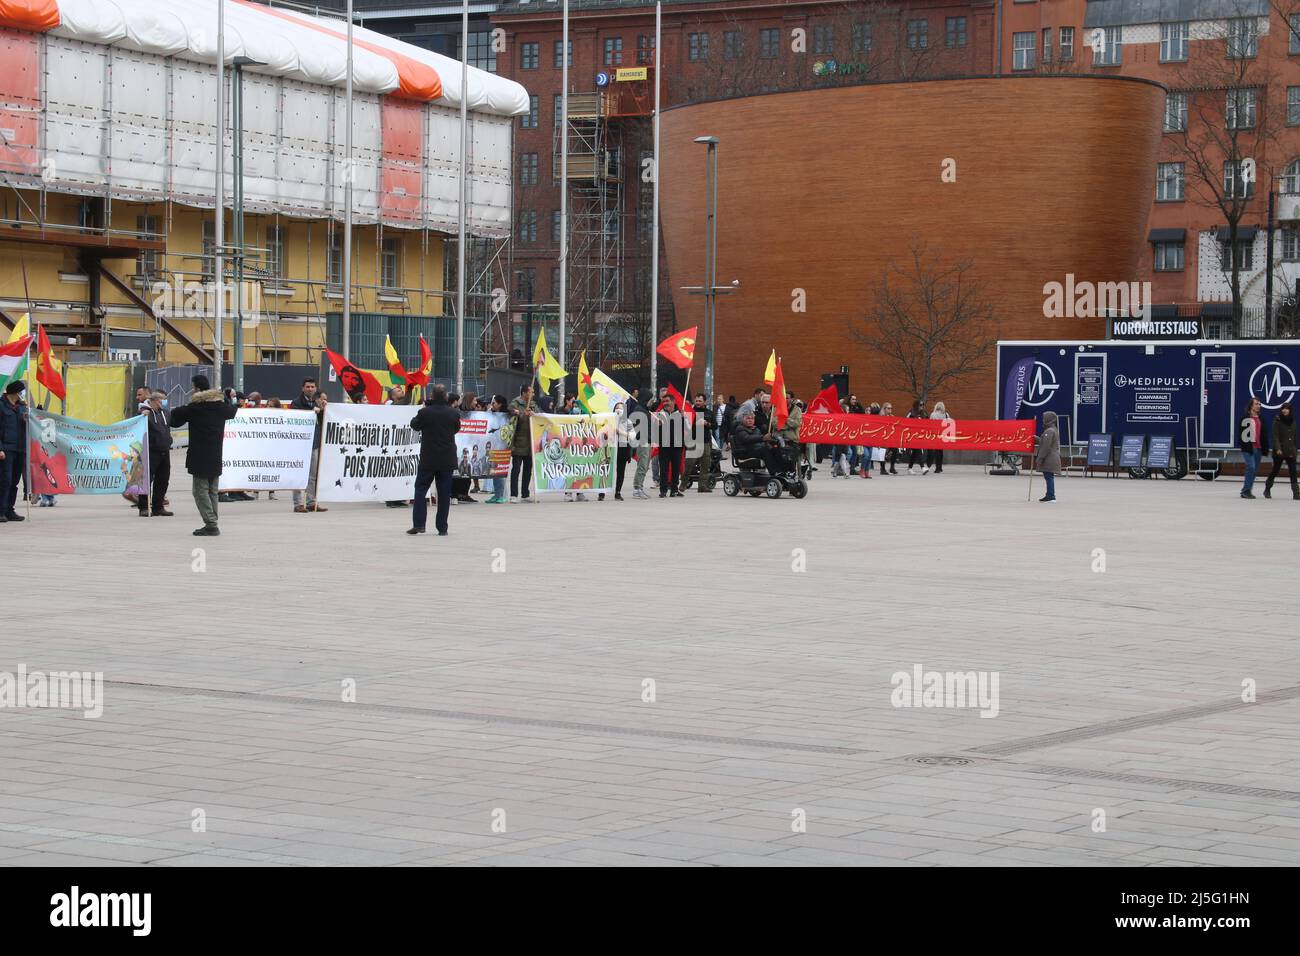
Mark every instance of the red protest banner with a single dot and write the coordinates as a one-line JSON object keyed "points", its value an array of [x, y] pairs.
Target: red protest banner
{"points": [[881, 431]]}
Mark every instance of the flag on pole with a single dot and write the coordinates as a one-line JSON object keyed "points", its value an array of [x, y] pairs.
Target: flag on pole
{"points": [[779, 404], [769, 376], [356, 382], [546, 368], [687, 411], [394, 361], [426, 366], [586, 390], [49, 370], [679, 348], [826, 402], [13, 358]]}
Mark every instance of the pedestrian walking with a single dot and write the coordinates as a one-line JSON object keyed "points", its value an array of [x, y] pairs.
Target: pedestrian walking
{"points": [[311, 399], [1284, 449], [206, 414], [160, 459], [437, 422], [1048, 459], [1253, 445]]}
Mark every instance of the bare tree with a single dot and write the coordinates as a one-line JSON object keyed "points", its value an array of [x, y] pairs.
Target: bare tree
{"points": [[1225, 100], [929, 323]]}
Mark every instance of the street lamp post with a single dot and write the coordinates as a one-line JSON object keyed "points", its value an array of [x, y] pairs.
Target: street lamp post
{"points": [[237, 119], [710, 289]]}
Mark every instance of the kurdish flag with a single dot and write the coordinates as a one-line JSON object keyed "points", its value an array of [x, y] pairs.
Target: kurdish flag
{"points": [[13, 354], [586, 391]]}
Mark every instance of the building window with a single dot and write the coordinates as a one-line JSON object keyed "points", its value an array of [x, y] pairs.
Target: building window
{"points": [[529, 54], [146, 264], [525, 280], [645, 48], [733, 44], [1235, 185], [1241, 109], [528, 169], [918, 34], [555, 283], [1175, 112], [481, 53], [558, 54], [209, 264], [280, 356], [1169, 182], [954, 29], [275, 250], [555, 225], [1293, 33], [1290, 244], [558, 107], [1067, 44], [611, 224], [823, 39], [1047, 44], [1106, 49], [1293, 105], [334, 259], [1169, 257], [529, 119], [1173, 42], [769, 43], [1245, 255], [613, 51], [390, 263], [697, 46], [1022, 51], [1291, 178], [528, 225], [862, 38], [1243, 38]]}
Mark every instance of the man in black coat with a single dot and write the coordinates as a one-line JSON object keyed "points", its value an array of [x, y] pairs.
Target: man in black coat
{"points": [[206, 414], [310, 400], [437, 422], [160, 459]]}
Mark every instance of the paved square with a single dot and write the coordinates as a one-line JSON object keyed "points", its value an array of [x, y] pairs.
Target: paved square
{"points": [[499, 716]]}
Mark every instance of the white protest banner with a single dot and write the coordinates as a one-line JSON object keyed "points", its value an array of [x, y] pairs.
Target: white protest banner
{"points": [[368, 453], [480, 452], [267, 448]]}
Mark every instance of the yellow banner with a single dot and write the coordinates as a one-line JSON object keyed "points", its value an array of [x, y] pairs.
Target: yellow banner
{"points": [[631, 73]]}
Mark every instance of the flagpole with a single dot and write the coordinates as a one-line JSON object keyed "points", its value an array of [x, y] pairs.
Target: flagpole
{"points": [[348, 174], [654, 216], [27, 450], [464, 161], [219, 216], [564, 188]]}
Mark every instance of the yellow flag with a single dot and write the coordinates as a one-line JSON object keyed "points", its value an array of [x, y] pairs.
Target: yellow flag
{"points": [[21, 327], [545, 365], [769, 377]]}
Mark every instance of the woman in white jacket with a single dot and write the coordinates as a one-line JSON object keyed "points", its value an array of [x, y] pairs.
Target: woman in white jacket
{"points": [[934, 457]]}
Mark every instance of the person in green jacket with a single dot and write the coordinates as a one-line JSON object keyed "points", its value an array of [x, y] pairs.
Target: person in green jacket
{"points": [[1284, 449], [521, 448]]}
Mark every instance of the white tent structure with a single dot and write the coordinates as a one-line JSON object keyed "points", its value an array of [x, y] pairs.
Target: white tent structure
{"points": [[116, 98]]}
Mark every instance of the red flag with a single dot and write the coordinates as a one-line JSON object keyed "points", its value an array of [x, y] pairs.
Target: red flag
{"points": [[426, 366], [355, 381], [685, 409], [48, 372], [779, 404], [679, 348], [827, 401]]}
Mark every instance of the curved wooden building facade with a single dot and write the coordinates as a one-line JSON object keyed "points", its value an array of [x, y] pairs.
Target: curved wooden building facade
{"points": [[821, 190]]}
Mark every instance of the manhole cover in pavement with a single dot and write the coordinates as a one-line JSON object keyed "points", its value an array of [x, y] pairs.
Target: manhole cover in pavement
{"points": [[941, 760]]}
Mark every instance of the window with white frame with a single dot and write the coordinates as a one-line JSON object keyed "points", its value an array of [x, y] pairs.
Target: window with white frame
{"points": [[697, 45], [1235, 185], [613, 51], [210, 248], [1243, 38], [1169, 182], [390, 263], [1169, 257], [528, 225], [146, 264], [1047, 44], [529, 54], [1173, 42], [275, 249], [1293, 105], [645, 48], [334, 259], [1293, 33], [528, 169], [861, 39], [558, 52], [1067, 44], [918, 34], [1022, 51], [1107, 50], [1290, 244], [954, 29], [1245, 255], [1241, 109], [529, 120], [555, 225], [769, 43], [1175, 112]]}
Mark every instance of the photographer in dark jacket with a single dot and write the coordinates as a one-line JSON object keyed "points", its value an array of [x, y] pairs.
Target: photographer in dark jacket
{"points": [[160, 458], [437, 422], [1284, 449], [206, 414]]}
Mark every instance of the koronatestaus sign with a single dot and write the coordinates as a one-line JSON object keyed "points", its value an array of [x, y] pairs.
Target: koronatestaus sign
{"points": [[1153, 388]]}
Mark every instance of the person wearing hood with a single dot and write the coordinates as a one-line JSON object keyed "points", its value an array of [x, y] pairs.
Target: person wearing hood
{"points": [[1048, 459], [1253, 446], [1284, 449], [638, 426], [206, 415]]}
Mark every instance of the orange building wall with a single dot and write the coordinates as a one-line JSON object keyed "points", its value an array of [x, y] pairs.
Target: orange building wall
{"points": [[820, 190]]}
